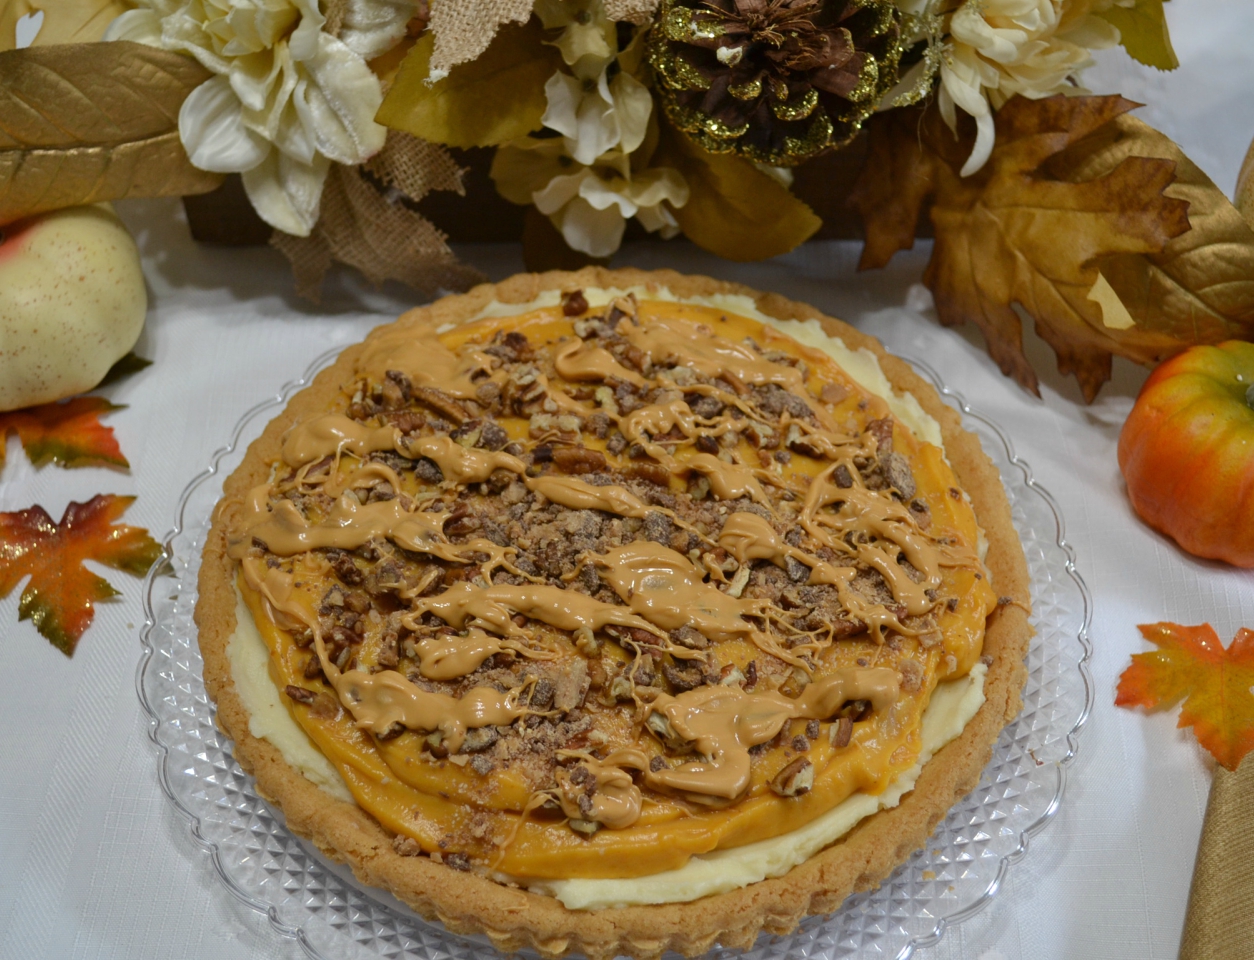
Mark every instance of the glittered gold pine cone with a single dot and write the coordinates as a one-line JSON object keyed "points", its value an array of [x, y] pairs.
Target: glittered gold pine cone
{"points": [[777, 81]]}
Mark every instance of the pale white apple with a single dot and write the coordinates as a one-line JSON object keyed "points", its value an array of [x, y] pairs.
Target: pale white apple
{"points": [[72, 303]]}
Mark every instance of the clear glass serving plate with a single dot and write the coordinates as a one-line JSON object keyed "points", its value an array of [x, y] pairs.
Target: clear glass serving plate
{"points": [[333, 917]]}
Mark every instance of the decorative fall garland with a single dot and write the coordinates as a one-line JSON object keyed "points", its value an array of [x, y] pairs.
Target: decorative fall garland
{"points": [[684, 116]]}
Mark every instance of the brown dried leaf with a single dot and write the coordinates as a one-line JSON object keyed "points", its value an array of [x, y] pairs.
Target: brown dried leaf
{"points": [[382, 238], [1013, 234], [65, 21], [80, 123], [1200, 287]]}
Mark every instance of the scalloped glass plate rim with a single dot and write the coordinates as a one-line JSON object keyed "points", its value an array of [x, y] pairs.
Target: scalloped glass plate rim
{"points": [[159, 723]]}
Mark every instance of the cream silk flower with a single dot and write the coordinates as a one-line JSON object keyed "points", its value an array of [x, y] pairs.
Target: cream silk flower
{"points": [[584, 181], [999, 48], [590, 205], [286, 101]]}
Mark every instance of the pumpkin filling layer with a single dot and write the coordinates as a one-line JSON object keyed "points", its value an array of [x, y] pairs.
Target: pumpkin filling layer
{"points": [[584, 593]]}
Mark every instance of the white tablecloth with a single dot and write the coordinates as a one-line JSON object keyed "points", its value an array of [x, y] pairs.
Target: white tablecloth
{"points": [[95, 863]]}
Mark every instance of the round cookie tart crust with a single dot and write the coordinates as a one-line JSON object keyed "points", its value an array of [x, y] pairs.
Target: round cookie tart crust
{"points": [[514, 918]]}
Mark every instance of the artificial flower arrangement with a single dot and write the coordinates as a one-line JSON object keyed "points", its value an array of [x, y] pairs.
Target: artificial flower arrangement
{"points": [[732, 122]]}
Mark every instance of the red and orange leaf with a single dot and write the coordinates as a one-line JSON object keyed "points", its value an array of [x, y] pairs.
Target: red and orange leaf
{"points": [[68, 433], [1192, 665], [61, 591]]}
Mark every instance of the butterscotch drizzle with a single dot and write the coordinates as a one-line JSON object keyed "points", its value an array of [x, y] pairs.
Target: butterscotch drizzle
{"points": [[379, 701], [604, 792], [461, 464], [333, 434], [728, 481], [861, 512], [695, 346], [449, 656], [418, 353], [666, 589], [579, 495], [493, 608], [746, 536], [723, 722], [351, 524], [578, 362]]}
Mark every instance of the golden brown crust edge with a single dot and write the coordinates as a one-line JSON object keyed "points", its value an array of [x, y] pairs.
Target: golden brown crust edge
{"points": [[512, 918]]}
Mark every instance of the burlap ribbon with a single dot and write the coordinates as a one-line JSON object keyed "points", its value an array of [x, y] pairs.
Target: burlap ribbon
{"points": [[464, 28], [368, 222], [1220, 921]]}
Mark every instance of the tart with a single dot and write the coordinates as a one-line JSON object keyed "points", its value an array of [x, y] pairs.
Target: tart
{"points": [[615, 612]]}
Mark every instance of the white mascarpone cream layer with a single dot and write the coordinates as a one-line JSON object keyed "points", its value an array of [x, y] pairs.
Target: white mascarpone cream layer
{"points": [[268, 719], [952, 705]]}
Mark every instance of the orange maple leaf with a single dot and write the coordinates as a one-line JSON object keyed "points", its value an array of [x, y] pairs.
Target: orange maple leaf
{"points": [[1192, 664], [68, 433], [61, 591]]}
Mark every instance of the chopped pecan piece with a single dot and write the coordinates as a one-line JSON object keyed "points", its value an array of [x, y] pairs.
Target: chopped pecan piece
{"points": [[795, 779], [840, 732], [574, 303], [579, 460], [299, 694]]}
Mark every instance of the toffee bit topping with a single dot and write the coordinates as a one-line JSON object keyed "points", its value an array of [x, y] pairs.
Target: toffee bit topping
{"points": [[542, 552]]}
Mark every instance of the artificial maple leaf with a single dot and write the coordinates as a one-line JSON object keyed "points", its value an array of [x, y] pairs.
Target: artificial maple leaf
{"points": [[1192, 664], [61, 591], [1013, 233], [68, 433]]}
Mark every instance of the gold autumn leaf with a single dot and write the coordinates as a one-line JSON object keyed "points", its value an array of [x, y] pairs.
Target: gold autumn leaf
{"points": [[65, 21], [497, 97], [734, 210], [85, 122], [1243, 198], [1200, 287], [1011, 233], [1143, 32]]}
